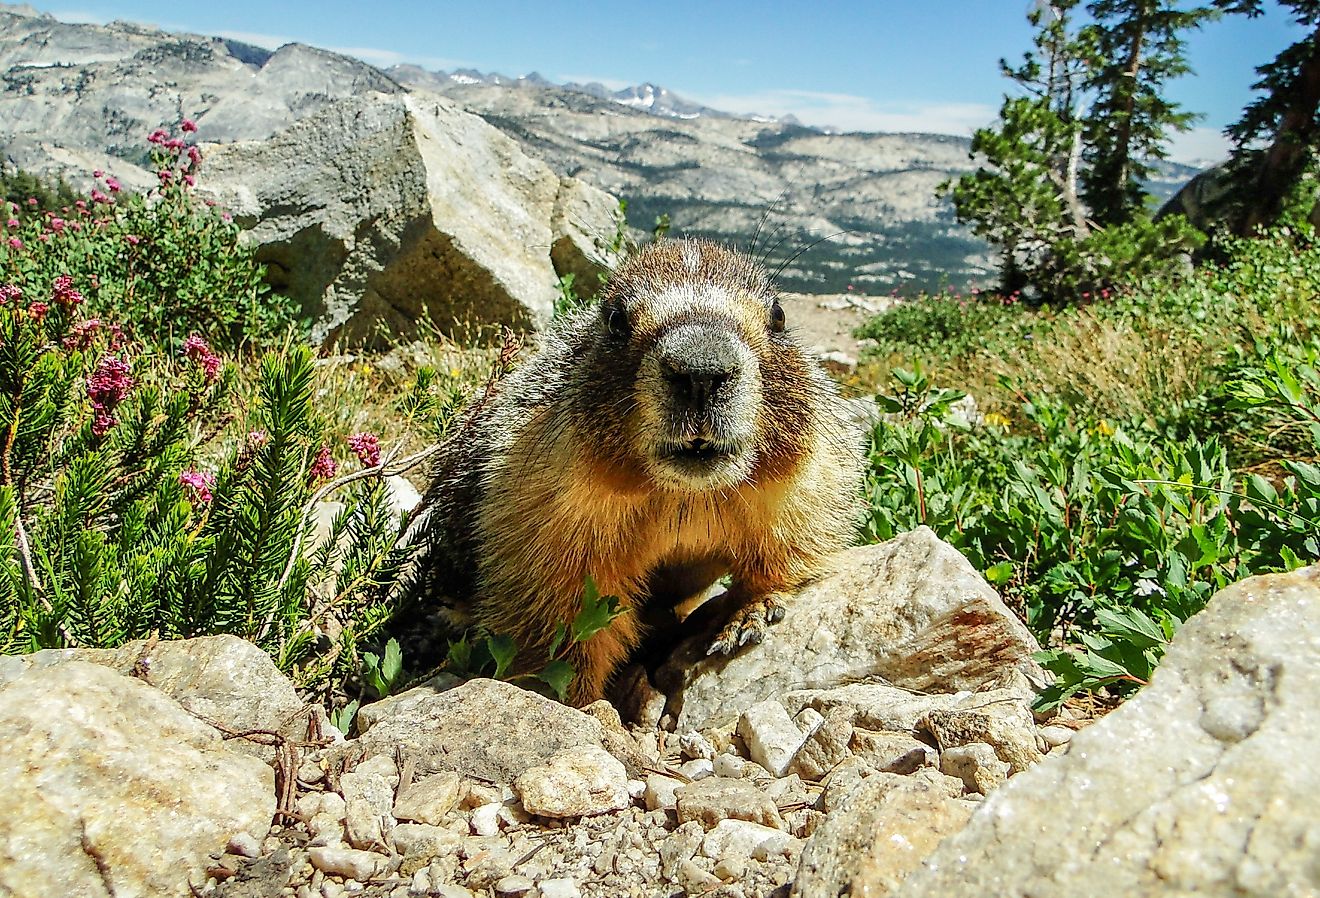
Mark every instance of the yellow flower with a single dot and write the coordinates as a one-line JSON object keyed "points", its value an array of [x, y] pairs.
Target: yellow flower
{"points": [[1104, 428], [994, 419]]}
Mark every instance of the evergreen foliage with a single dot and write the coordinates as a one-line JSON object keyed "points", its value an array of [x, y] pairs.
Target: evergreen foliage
{"points": [[1272, 170]]}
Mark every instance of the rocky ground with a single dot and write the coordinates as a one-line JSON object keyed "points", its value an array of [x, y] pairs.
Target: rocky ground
{"points": [[880, 742]]}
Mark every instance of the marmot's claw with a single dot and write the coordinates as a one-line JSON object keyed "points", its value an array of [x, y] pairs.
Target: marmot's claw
{"points": [[747, 626]]}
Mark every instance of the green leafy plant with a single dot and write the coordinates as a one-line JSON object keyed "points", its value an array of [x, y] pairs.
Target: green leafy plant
{"points": [[164, 264], [492, 655]]}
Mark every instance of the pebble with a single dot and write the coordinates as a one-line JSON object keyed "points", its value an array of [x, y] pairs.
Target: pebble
{"points": [[827, 746], [636, 788], [421, 883], [486, 819], [514, 885], [349, 863], [659, 794], [697, 769], [742, 838], [730, 766], [734, 868], [695, 879], [331, 889], [771, 737], [429, 799], [678, 847], [807, 720], [693, 745], [449, 890], [559, 888], [580, 781], [976, 764], [893, 752], [711, 800], [244, 845], [1055, 736]]}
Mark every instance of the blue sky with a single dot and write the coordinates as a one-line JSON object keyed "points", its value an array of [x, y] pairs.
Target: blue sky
{"points": [[926, 65]]}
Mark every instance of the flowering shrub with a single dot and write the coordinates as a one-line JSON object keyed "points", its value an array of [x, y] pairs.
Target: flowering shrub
{"points": [[129, 515], [164, 263]]}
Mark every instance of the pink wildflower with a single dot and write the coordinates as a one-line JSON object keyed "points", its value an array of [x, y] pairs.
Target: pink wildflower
{"points": [[323, 467], [164, 174], [199, 351], [199, 484], [32, 201], [158, 136], [82, 334], [190, 180], [65, 293], [57, 225], [12, 223], [15, 243], [195, 155], [188, 125], [37, 311], [132, 239], [97, 173], [367, 447], [175, 143], [106, 387], [99, 197], [113, 185], [10, 292], [258, 438]]}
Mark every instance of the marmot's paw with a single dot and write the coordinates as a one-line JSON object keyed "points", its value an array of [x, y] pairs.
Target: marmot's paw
{"points": [[747, 626]]}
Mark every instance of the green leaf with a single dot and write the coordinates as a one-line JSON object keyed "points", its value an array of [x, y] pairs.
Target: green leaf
{"points": [[999, 574], [561, 632], [558, 674], [596, 614], [392, 667], [503, 650], [1132, 625]]}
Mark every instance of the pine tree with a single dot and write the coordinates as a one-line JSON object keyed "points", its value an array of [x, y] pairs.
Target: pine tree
{"points": [[1139, 47], [1024, 196], [1276, 140]]}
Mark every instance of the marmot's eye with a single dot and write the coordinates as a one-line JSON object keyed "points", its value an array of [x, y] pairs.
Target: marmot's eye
{"points": [[617, 319], [777, 320]]}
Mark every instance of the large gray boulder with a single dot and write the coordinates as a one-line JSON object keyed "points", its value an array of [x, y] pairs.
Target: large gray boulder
{"points": [[113, 789], [224, 680], [383, 210], [1205, 783], [911, 611]]}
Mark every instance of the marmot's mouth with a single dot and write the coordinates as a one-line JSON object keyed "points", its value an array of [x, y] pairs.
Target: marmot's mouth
{"points": [[697, 452]]}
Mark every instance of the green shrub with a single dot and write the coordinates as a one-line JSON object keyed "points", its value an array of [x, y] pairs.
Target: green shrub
{"points": [[163, 263], [1105, 533], [131, 519]]}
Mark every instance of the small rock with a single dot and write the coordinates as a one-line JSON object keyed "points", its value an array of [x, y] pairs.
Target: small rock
{"points": [[694, 745], [827, 746], [578, 782], [346, 862], [892, 752], [771, 736], [429, 799], [659, 793], [678, 847], [514, 885], [697, 769], [732, 868], [1005, 726], [449, 890], [419, 843], [740, 838], [244, 845], [559, 888], [807, 720], [486, 819], [696, 880], [842, 781], [636, 789], [1055, 735], [714, 799], [477, 794], [977, 765], [420, 884], [729, 766]]}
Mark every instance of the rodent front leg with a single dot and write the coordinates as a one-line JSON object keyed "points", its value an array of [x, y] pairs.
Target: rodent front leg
{"points": [[748, 625]]}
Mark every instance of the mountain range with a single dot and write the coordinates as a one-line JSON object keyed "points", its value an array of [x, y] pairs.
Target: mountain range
{"points": [[827, 209]]}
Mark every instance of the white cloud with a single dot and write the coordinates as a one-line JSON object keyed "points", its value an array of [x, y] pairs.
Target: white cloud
{"points": [[1199, 146], [849, 112]]}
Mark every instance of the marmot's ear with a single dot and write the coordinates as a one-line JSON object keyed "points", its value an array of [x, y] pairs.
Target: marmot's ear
{"points": [[777, 319], [617, 320]]}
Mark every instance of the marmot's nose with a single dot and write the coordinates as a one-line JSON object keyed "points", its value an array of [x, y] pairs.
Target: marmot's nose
{"points": [[697, 386]]}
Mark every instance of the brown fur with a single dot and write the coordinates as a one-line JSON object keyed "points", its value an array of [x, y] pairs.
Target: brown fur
{"points": [[548, 485]]}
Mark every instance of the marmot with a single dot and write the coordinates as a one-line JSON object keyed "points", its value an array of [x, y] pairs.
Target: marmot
{"points": [[667, 434]]}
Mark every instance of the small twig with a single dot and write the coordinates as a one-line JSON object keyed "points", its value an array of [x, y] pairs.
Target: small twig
{"points": [[30, 574], [384, 469]]}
